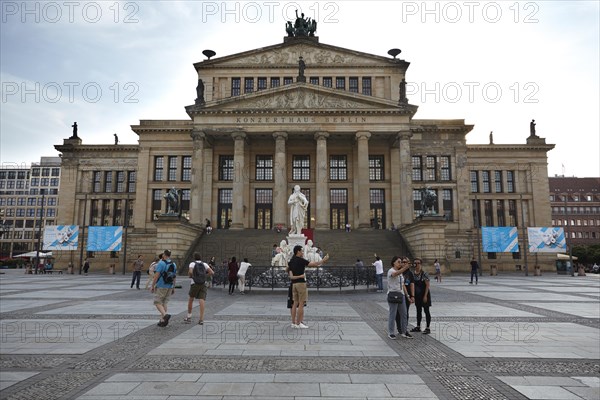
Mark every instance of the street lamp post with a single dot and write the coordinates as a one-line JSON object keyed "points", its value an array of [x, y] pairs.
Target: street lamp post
{"points": [[478, 226], [567, 236], [525, 249], [82, 235]]}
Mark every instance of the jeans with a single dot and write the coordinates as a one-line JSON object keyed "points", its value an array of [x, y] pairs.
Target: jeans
{"points": [[136, 278], [473, 274], [379, 278], [397, 315]]}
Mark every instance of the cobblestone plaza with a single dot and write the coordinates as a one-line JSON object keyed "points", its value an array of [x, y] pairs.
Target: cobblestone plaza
{"points": [[92, 337]]}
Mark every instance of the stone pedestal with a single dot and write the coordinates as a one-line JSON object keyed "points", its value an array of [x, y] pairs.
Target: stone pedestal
{"points": [[296, 239], [493, 270], [537, 271]]}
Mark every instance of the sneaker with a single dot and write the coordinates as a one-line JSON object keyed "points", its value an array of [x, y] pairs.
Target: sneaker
{"points": [[302, 326], [201, 322], [166, 319], [406, 335], [416, 329], [187, 320], [392, 336], [161, 323], [294, 326], [426, 331], [471, 283]]}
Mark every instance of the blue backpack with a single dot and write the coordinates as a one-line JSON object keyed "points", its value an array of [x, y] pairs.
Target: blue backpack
{"points": [[168, 276]]}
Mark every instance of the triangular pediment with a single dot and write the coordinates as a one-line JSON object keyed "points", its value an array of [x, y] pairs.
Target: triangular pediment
{"points": [[299, 97], [286, 54]]}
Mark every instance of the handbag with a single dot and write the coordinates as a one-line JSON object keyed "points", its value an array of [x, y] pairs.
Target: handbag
{"points": [[395, 297]]}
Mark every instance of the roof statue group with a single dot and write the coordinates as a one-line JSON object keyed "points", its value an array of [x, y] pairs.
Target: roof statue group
{"points": [[301, 27]]}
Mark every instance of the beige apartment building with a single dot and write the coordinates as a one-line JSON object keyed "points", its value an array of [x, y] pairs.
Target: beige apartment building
{"points": [[332, 120]]}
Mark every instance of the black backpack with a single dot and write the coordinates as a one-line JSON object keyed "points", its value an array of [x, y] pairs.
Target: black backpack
{"points": [[169, 275], [199, 273]]}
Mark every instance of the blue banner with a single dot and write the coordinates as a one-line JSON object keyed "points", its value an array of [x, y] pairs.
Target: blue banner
{"points": [[503, 239], [104, 238], [61, 237], [546, 240]]}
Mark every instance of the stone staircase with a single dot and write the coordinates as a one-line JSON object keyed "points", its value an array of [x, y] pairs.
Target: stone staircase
{"points": [[343, 248]]}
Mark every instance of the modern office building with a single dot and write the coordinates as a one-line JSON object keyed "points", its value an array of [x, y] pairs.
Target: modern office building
{"points": [[28, 202], [334, 121], [575, 206]]}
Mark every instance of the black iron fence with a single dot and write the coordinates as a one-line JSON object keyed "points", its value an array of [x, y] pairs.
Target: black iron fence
{"points": [[321, 277]]}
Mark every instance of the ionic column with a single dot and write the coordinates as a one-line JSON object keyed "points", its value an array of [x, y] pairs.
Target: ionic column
{"points": [[237, 212], [322, 186], [406, 196], [280, 194], [362, 164], [198, 184]]}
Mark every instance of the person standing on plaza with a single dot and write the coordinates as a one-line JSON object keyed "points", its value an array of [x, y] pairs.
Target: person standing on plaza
{"points": [[232, 274], [397, 311], [422, 296], [137, 271], [409, 282], [378, 264], [474, 268], [297, 266], [212, 263], [198, 272], [244, 265], [151, 270], [438, 271], [163, 289], [86, 266]]}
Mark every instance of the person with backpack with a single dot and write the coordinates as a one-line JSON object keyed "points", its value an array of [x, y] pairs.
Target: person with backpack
{"points": [[163, 286], [198, 271]]}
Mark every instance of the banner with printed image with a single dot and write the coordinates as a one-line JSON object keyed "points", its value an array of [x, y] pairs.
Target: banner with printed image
{"points": [[60, 237], [104, 238], [504, 239], [546, 240]]}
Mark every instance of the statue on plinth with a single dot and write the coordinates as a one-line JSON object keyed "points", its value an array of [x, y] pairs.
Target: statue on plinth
{"points": [[173, 203], [298, 207]]}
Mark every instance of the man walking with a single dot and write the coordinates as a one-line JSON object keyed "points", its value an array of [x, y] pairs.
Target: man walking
{"points": [[163, 286], [137, 271], [474, 268], [297, 266], [244, 265], [198, 272]]}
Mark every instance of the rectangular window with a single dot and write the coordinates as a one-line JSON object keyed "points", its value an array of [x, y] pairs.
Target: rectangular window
{"points": [[340, 83], [45, 171], [21, 184], [43, 182], [34, 182], [445, 168], [474, 182], [476, 205], [377, 196], [498, 181], [264, 196], [157, 197], [447, 203], [54, 181], [120, 181], [417, 196], [338, 196], [301, 168], [366, 86], [512, 213], [430, 171], [261, 83], [131, 181], [328, 82], [117, 218], [158, 168], [186, 195], [510, 182], [12, 174], [288, 80], [264, 168], [226, 168], [417, 171], [338, 168], [489, 218], [106, 213], [55, 172], [248, 85], [313, 80], [500, 213], [97, 181], [275, 82], [186, 168], [353, 84], [236, 86], [51, 201], [34, 172], [485, 178], [491, 256], [172, 175], [376, 168], [225, 196]]}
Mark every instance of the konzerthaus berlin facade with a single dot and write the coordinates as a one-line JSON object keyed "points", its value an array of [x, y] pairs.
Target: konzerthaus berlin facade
{"points": [[339, 126]]}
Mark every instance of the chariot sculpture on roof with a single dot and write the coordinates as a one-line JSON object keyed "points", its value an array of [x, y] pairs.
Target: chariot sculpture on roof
{"points": [[301, 26]]}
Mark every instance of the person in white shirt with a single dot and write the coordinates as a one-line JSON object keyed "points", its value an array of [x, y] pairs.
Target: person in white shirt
{"points": [[378, 264], [244, 265]]}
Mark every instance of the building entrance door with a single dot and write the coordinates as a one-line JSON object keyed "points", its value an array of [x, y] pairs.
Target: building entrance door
{"points": [[264, 208], [224, 208], [377, 217], [339, 217]]}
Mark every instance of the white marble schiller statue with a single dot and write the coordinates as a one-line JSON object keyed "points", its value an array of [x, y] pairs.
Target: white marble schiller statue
{"points": [[299, 205]]}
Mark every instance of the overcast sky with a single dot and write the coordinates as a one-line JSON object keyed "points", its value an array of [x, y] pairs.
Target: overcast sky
{"points": [[108, 64]]}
